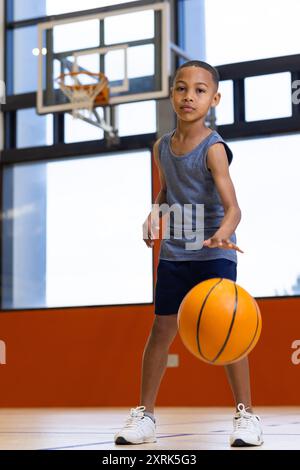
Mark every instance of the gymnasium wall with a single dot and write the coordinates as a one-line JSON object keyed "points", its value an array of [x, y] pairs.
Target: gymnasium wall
{"points": [[92, 357]]}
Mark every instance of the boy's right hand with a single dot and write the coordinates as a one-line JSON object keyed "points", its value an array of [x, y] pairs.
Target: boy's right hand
{"points": [[150, 231]]}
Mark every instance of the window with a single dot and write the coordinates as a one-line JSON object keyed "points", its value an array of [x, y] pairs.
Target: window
{"points": [[24, 59], [29, 9], [57, 7], [73, 36], [224, 110], [25, 9], [266, 176], [77, 130], [22, 76], [120, 27], [140, 62], [72, 232], [137, 118], [33, 130], [238, 31], [268, 96]]}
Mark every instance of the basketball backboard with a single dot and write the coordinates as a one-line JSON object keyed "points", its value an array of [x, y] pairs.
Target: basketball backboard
{"points": [[129, 45]]}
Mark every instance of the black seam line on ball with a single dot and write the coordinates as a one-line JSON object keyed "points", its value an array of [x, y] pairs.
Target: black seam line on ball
{"points": [[231, 325], [200, 315], [254, 336]]}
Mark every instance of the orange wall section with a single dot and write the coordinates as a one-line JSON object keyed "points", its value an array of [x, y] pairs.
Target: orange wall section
{"points": [[92, 357]]}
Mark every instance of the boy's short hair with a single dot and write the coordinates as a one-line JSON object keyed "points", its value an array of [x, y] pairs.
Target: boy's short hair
{"points": [[203, 65]]}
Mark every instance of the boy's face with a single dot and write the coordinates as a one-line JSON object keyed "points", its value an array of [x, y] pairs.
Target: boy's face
{"points": [[193, 93]]}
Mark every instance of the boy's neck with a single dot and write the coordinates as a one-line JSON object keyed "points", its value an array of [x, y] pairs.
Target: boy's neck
{"points": [[191, 130]]}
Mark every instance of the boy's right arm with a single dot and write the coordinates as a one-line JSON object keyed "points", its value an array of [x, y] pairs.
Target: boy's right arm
{"points": [[150, 230]]}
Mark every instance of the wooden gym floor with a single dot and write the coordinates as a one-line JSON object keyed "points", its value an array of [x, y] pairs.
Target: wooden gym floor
{"points": [[178, 428]]}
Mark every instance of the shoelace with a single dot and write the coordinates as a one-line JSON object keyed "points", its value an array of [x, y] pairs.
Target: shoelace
{"points": [[136, 414], [243, 419]]}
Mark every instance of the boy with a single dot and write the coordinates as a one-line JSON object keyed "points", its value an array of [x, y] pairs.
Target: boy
{"points": [[193, 163]]}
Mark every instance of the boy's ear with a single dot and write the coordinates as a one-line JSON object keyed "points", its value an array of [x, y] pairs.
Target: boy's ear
{"points": [[216, 100], [171, 92]]}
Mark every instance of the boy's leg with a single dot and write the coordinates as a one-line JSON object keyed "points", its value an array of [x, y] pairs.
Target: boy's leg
{"points": [[155, 357], [239, 379], [140, 427], [247, 429], [171, 287]]}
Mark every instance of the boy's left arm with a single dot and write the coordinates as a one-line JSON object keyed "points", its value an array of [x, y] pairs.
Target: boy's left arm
{"points": [[217, 163]]}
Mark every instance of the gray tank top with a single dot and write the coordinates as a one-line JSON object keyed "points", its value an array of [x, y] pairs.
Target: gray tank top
{"points": [[190, 182]]}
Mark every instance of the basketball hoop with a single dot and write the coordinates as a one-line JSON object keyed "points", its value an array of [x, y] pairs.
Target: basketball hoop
{"points": [[84, 96], [87, 96]]}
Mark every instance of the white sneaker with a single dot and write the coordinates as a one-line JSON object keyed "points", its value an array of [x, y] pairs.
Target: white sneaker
{"points": [[247, 429], [138, 428]]}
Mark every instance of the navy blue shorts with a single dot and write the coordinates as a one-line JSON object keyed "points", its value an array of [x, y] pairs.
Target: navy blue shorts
{"points": [[176, 278]]}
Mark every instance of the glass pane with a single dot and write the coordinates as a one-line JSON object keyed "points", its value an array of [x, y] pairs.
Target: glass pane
{"points": [[23, 229], [268, 96], [80, 35], [115, 65], [140, 63], [250, 29], [224, 110], [89, 62], [65, 226], [33, 130], [25, 9], [129, 27], [137, 118], [269, 213], [77, 130], [25, 60], [55, 7]]}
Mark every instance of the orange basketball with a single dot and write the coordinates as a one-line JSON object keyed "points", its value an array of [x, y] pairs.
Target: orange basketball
{"points": [[219, 321]]}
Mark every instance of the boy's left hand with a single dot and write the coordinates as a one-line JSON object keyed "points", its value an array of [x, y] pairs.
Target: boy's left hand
{"points": [[224, 243]]}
